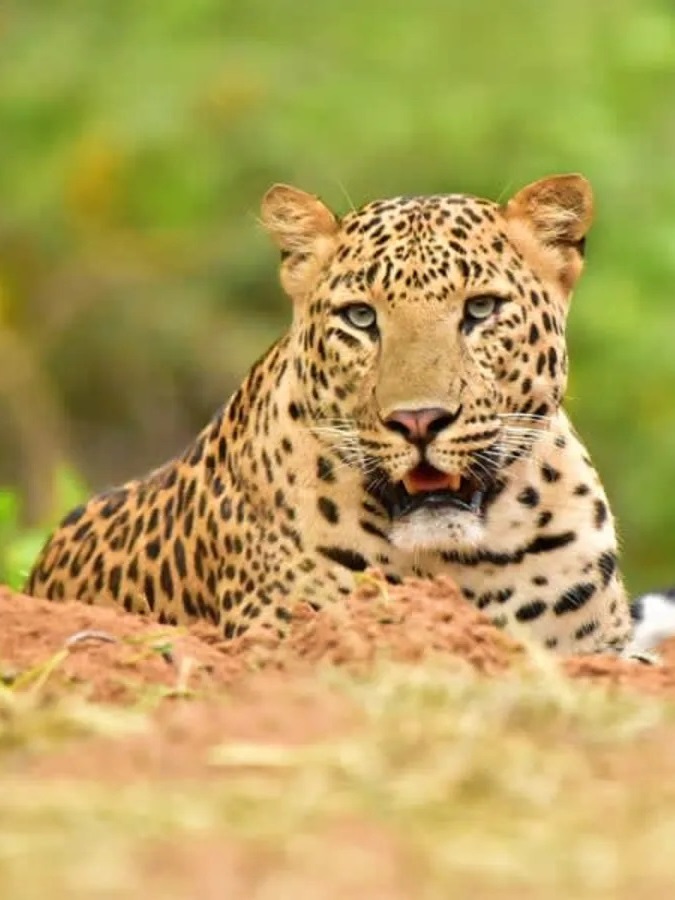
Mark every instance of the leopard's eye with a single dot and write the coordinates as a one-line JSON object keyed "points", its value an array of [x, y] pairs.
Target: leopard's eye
{"points": [[479, 308], [360, 315]]}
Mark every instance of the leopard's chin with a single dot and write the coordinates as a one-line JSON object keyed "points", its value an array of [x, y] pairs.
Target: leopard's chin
{"points": [[438, 528]]}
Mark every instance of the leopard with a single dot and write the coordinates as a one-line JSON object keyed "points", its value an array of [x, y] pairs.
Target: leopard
{"points": [[409, 420]]}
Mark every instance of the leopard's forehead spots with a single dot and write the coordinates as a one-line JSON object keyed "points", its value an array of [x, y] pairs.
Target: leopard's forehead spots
{"points": [[421, 216], [436, 244]]}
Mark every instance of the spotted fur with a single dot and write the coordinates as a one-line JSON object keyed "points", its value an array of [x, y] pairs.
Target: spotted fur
{"points": [[294, 487]]}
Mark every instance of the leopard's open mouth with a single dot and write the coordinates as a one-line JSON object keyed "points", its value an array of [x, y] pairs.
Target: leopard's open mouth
{"points": [[426, 487]]}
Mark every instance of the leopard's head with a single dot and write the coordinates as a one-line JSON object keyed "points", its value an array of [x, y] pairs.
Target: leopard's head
{"points": [[428, 338]]}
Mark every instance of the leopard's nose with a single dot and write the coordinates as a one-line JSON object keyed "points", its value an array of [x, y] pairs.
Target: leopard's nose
{"points": [[420, 426]]}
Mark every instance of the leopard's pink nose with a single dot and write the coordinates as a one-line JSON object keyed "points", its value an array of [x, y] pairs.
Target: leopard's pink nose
{"points": [[420, 426]]}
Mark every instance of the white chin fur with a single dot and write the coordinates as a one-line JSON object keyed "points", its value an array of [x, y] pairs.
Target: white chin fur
{"points": [[434, 530]]}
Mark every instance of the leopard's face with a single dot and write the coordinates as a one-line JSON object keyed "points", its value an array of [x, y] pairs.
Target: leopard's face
{"points": [[429, 345]]}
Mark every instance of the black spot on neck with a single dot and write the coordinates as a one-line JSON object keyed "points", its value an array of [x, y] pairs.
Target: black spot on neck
{"points": [[599, 513], [528, 497], [347, 558], [531, 611], [328, 510], [546, 543], [574, 598]]}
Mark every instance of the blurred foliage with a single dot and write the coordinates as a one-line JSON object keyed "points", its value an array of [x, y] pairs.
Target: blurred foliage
{"points": [[137, 138], [20, 545]]}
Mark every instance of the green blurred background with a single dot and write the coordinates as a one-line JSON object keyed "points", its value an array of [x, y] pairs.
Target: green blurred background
{"points": [[136, 139]]}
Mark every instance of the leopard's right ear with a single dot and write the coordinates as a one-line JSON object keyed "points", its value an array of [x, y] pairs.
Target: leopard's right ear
{"points": [[296, 219], [303, 228]]}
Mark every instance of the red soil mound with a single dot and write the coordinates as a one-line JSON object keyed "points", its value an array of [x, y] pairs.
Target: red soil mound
{"points": [[111, 653]]}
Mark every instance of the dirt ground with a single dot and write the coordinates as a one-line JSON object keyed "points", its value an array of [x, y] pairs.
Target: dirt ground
{"points": [[110, 654], [113, 658]]}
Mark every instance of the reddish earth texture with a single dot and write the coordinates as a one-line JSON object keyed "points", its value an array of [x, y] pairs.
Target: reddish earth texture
{"points": [[116, 658], [113, 655]]}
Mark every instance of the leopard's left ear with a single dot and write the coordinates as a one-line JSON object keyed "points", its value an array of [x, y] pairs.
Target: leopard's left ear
{"points": [[303, 228], [558, 212]]}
